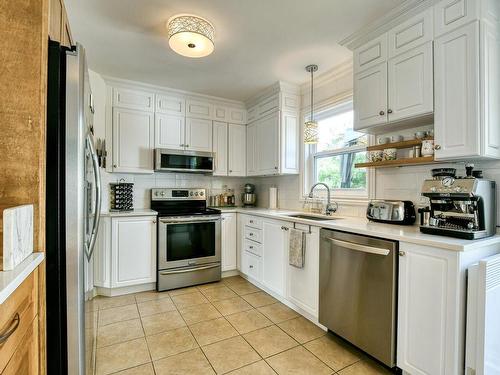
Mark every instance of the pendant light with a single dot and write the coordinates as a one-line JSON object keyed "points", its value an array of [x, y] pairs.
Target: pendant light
{"points": [[311, 126], [190, 35]]}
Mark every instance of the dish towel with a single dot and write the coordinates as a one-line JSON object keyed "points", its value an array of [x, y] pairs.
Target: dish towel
{"points": [[297, 248]]}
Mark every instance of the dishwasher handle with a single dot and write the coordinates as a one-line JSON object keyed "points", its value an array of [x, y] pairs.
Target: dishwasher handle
{"points": [[361, 248]]}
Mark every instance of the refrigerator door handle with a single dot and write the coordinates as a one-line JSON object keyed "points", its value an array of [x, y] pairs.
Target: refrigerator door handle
{"points": [[89, 247]]}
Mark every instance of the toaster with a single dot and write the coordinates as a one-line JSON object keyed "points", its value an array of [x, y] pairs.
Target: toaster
{"points": [[391, 212]]}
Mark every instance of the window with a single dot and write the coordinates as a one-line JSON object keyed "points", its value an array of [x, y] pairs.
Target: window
{"points": [[340, 147]]}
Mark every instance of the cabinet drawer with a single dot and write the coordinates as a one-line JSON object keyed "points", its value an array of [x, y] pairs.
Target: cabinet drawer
{"points": [[253, 247], [253, 234], [370, 54], [133, 99], [252, 221], [16, 315], [251, 266], [450, 14], [269, 105], [412, 33]]}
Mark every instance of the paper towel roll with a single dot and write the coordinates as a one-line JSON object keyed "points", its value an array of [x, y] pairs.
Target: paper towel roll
{"points": [[273, 198]]}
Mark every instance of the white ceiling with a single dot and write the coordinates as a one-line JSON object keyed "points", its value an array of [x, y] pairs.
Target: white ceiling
{"points": [[257, 41]]}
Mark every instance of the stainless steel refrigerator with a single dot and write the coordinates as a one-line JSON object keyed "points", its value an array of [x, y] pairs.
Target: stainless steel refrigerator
{"points": [[73, 201]]}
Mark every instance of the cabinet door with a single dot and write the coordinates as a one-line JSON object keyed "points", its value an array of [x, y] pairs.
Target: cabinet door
{"points": [[290, 146], [169, 131], [237, 150], [25, 359], [275, 241], [102, 255], [451, 14], [133, 99], [221, 113], [456, 82], [303, 283], [198, 135], [228, 231], [220, 145], [252, 163], [133, 141], [371, 54], [411, 91], [172, 105], [267, 145], [199, 109], [370, 97], [416, 31], [237, 116], [427, 310], [133, 251]]}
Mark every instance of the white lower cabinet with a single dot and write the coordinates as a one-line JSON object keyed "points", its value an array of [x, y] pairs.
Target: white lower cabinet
{"points": [[125, 253], [228, 242], [275, 243], [251, 266]]}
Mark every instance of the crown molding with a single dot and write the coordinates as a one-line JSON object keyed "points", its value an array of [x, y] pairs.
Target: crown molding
{"points": [[339, 71], [406, 10], [271, 90]]}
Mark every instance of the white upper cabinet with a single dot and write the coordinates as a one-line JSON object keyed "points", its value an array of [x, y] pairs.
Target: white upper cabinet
{"points": [[221, 113], [169, 104], [290, 143], [411, 82], [451, 14], [169, 131], [133, 141], [199, 109], [267, 145], [237, 150], [134, 99], [219, 147], [251, 149], [412, 33], [371, 54], [198, 134], [229, 114]]}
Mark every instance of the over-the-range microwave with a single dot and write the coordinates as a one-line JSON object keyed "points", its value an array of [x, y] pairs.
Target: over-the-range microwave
{"points": [[167, 160]]}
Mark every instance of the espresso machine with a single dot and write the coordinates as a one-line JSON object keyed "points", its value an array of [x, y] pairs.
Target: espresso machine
{"points": [[460, 207], [249, 198]]}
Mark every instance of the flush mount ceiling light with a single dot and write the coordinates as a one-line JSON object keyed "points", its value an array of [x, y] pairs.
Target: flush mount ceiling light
{"points": [[190, 35], [311, 126]]}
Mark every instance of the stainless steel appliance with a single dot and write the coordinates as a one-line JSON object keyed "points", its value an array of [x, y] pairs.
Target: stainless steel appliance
{"points": [[183, 161], [391, 212], [358, 288], [461, 207], [249, 198], [189, 238], [73, 199]]}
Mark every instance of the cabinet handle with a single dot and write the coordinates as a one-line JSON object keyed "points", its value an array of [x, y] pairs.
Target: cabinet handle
{"points": [[251, 266], [276, 168], [284, 228], [389, 111], [114, 165], [4, 336], [437, 147], [381, 113], [250, 247], [251, 221], [250, 234], [186, 145], [402, 253], [230, 171]]}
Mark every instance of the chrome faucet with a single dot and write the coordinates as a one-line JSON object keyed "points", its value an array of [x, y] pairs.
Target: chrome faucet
{"points": [[330, 209]]}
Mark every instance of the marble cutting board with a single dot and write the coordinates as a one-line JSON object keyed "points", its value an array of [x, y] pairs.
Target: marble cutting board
{"points": [[17, 235]]}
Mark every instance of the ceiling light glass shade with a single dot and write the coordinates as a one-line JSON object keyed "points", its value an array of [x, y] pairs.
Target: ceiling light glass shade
{"points": [[191, 36], [311, 132]]}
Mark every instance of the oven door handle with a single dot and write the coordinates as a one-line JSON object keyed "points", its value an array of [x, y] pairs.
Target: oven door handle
{"points": [[359, 247], [190, 220], [190, 269]]}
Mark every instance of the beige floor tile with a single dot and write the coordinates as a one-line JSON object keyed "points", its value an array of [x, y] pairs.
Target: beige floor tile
{"points": [[269, 341], [242, 288], [217, 294], [333, 352], [199, 313], [169, 343], [217, 284], [302, 329], [278, 312], [163, 322], [248, 321], [110, 302], [178, 292], [188, 363], [257, 368], [189, 299], [365, 367], [121, 356], [146, 369], [212, 331], [233, 280], [230, 354], [118, 314], [150, 296], [155, 306], [298, 361], [232, 305], [119, 332], [259, 299]]}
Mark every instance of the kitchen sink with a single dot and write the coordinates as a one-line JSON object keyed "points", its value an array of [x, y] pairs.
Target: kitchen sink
{"points": [[312, 217]]}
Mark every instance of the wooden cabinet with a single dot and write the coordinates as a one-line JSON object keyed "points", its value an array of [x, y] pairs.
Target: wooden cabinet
{"points": [[198, 134], [228, 241], [220, 148], [237, 150], [370, 97], [169, 131], [275, 243], [133, 141], [25, 360], [59, 29]]}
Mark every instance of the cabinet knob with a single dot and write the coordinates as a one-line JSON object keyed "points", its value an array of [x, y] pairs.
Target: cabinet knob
{"points": [[154, 221], [251, 234], [186, 145], [389, 111], [251, 221], [114, 165], [437, 147], [251, 247], [402, 253], [381, 113], [251, 266], [230, 171], [276, 168]]}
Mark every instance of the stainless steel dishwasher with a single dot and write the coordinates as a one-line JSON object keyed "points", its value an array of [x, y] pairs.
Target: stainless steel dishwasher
{"points": [[357, 295]]}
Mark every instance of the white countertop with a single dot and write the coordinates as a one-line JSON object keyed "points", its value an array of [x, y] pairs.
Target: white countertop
{"points": [[404, 233], [139, 212], [10, 280]]}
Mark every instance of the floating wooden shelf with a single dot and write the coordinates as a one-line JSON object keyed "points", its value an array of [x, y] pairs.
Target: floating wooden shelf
{"points": [[397, 162], [403, 144]]}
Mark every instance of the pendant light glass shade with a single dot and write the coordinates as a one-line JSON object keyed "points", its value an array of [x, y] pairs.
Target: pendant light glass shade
{"points": [[311, 126], [191, 36]]}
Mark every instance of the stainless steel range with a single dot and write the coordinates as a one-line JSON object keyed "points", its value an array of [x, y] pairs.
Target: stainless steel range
{"points": [[189, 238]]}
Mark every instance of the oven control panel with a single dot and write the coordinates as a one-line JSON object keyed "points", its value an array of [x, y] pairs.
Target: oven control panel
{"points": [[159, 194]]}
